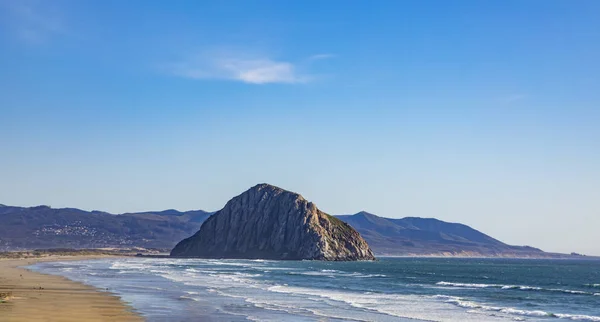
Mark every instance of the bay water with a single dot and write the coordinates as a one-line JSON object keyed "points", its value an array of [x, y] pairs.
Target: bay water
{"points": [[390, 289]]}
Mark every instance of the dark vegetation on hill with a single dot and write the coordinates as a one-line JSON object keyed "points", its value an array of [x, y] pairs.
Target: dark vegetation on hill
{"points": [[44, 227], [429, 236]]}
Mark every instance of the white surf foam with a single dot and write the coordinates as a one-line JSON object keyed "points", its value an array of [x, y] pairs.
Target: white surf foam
{"points": [[513, 311], [577, 317], [470, 285], [402, 306], [229, 263], [336, 273], [512, 287]]}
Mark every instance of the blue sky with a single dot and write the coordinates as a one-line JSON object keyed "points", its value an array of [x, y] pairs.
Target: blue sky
{"points": [[480, 112]]}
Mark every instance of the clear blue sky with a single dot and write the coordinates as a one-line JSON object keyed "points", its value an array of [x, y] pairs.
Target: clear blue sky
{"points": [[480, 112]]}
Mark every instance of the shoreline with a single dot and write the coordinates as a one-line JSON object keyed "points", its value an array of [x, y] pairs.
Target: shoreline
{"points": [[31, 296]]}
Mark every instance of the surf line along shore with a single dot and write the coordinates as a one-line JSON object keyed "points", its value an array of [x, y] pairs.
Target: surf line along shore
{"points": [[31, 296]]}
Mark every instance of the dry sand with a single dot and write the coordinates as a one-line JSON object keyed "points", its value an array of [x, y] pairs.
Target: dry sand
{"points": [[30, 296]]}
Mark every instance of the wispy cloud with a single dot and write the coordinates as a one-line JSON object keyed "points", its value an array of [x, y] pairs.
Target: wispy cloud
{"points": [[31, 21], [252, 69], [321, 56]]}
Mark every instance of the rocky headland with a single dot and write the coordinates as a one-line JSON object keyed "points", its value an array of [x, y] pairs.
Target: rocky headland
{"points": [[267, 222]]}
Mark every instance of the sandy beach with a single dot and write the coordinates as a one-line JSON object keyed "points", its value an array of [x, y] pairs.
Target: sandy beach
{"points": [[29, 296]]}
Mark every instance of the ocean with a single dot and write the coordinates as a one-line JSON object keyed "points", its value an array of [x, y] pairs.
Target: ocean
{"points": [[390, 289]]}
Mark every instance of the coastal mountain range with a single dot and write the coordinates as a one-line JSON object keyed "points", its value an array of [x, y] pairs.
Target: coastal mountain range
{"points": [[412, 236], [45, 227]]}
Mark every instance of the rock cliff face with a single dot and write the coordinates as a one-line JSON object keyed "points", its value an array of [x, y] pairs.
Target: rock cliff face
{"points": [[268, 222]]}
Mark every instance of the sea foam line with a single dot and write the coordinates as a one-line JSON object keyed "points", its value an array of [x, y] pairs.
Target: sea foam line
{"points": [[421, 308], [514, 311], [512, 287], [335, 273]]}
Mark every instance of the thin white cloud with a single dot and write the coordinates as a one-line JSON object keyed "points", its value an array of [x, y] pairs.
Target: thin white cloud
{"points": [[321, 56], [260, 71], [240, 67], [30, 21]]}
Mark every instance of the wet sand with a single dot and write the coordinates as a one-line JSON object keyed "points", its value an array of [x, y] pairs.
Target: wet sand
{"points": [[30, 296]]}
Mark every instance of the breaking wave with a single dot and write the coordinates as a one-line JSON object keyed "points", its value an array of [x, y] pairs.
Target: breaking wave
{"points": [[513, 311], [513, 287]]}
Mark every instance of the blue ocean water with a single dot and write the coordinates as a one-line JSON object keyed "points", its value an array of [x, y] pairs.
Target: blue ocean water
{"points": [[391, 289]]}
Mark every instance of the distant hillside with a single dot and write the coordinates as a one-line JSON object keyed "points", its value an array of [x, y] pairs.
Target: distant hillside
{"points": [[45, 227], [428, 236]]}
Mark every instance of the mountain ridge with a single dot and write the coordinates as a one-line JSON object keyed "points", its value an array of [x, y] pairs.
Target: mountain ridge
{"points": [[415, 236], [46, 227]]}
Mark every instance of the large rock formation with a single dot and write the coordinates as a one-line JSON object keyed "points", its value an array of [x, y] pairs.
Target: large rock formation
{"points": [[268, 222]]}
